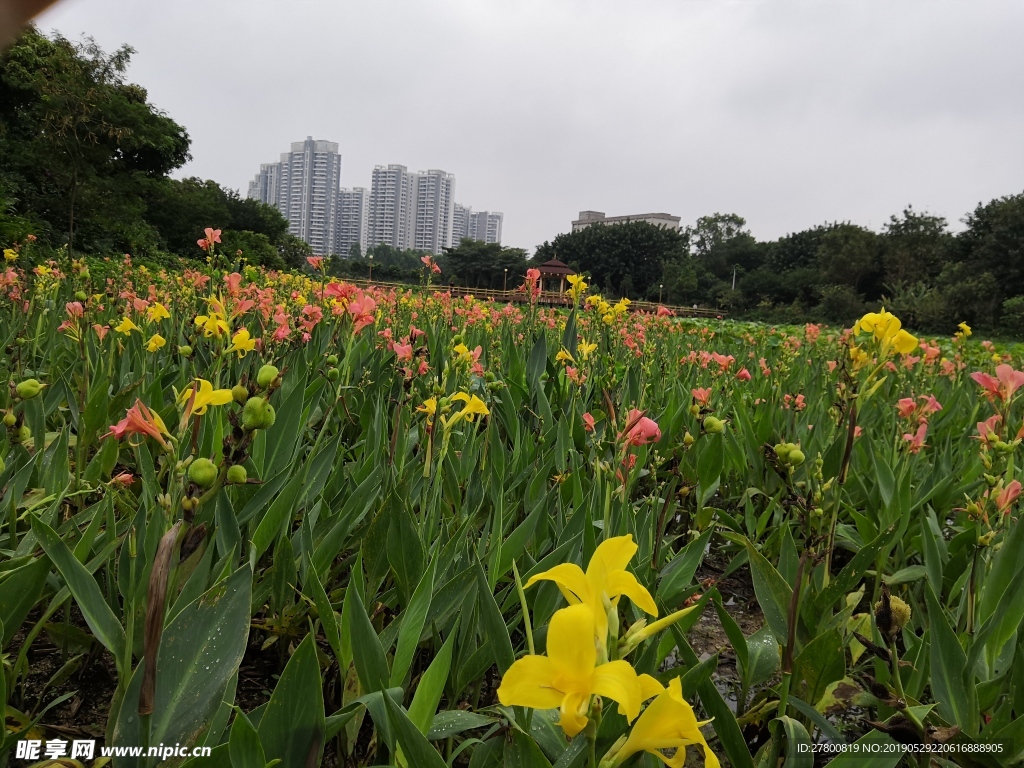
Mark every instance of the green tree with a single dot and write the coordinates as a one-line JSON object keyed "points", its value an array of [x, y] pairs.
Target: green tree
{"points": [[914, 246], [79, 144], [477, 264]]}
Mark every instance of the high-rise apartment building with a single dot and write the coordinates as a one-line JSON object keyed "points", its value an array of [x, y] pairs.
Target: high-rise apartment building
{"points": [[460, 223], [303, 185], [485, 225], [353, 220], [392, 202], [434, 210]]}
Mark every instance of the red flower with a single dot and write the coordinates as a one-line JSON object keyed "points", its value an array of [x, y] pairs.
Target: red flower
{"points": [[139, 420], [640, 430]]}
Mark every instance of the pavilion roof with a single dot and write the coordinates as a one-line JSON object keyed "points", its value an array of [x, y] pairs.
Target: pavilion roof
{"points": [[555, 268]]}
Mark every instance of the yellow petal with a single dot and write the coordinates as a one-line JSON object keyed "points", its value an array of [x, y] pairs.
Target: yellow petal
{"points": [[904, 343], [649, 687], [625, 583], [571, 647], [528, 683], [573, 719], [220, 397], [570, 578], [611, 554], [617, 681]]}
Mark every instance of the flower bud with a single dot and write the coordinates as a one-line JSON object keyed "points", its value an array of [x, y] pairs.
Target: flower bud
{"points": [[782, 451], [333, 374], [81, 296], [28, 389], [266, 375], [237, 474], [258, 414], [21, 434], [185, 350], [689, 439], [10, 419], [695, 410], [332, 359], [239, 393], [489, 376], [203, 473], [713, 426]]}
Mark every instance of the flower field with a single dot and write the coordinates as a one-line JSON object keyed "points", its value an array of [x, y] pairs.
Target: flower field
{"points": [[305, 523]]}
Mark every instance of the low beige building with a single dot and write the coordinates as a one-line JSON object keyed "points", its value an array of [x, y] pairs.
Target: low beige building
{"points": [[596, 217]]}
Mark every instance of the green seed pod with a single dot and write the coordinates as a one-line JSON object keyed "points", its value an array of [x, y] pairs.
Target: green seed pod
{"points": [[457, 339], [796, 457], [21, 434], [689, 439], [713, 426], [10, 419], [258, 414], [332, 359], [237, 474], [28, 389], [185, 350], [695, 410], [81, 296], [489, 376], [266, 376], [333, 374], [203, 473], [782, 451], [239, 393]]}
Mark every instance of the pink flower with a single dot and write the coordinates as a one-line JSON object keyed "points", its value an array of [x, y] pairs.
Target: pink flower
{"points": [[233, 281], [139, 420], [1002, 385], [724, 361], [363, 310], [101, 330], [701, 396], [665, 312], [316, 262], [125, 478], [75, 309], [906, 407], [743, 374], [1007, 496], [588, 422], [989, 426], [916, 440], [831, 365], [403, 352], [212, 236], [640, 430], [930, 406]]}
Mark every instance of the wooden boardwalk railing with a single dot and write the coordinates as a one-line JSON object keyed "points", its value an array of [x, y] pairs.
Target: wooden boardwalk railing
{"points": [[545, 298]]}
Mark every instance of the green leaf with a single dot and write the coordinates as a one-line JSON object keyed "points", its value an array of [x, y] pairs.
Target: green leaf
{"points": [[86, 591], [328, 620], [200, 651], [371, 664], [678, 574], [493, 623], [404, 550], [245, 746], [873, 750], [763, 657], [431, 686], [798, 744], [821, 662], [948, 661], [853, 572], [413, 619], [452, 722], [773, 592], [414, 744], [292, 726], [19, 591]]}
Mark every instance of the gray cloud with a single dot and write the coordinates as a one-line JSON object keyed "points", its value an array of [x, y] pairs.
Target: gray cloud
{"points": [[788, 113]]}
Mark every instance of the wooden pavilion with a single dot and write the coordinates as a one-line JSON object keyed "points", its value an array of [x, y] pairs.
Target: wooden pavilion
{"points": [[553, 273]]}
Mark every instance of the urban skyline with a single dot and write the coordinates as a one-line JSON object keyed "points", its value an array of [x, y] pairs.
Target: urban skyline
{"points": [[401, 209]]}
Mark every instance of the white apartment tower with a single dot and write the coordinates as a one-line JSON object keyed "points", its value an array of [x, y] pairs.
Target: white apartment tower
{"points": [[353, 221], [435, 208], [460, 223], [485, 225], [304, 187], [392, 204]]}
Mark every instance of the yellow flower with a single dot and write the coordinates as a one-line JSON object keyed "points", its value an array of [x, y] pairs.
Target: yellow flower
{"points": [[584, 349], [667, 723], [10, 254], [564, 356], [965, 330], [205, 396], [621, 306], [241, 343], [462, 354], [569, 675], [641, 630], [126, 326], [474, 406], [156, 312], [429, 407], [859, 358], [606, 578], [577, 287], [887, 331], [215, 323], [156, 341]]}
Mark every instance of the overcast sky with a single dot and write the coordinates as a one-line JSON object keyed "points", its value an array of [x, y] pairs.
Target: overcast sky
{"points": [[787, 113]]}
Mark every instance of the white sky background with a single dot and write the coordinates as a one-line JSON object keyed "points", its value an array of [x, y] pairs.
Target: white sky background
{"points": [[789, 113]]}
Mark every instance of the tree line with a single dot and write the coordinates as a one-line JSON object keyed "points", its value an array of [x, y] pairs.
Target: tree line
{"points": [[916, 266], [85, 163]]}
